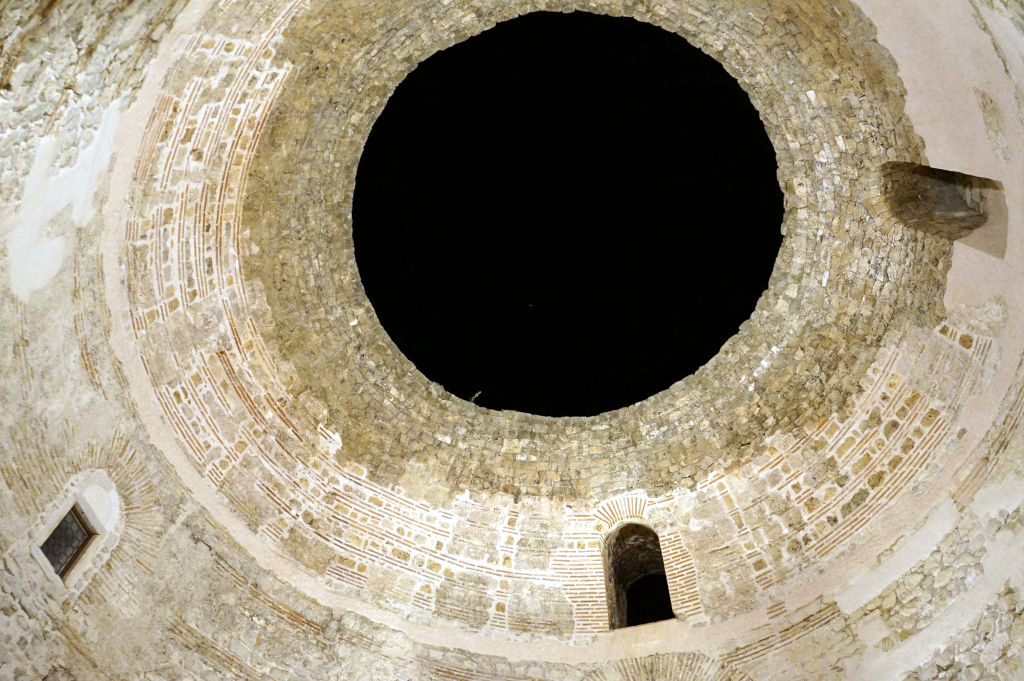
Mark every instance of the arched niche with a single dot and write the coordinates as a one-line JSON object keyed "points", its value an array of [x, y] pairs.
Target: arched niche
{"points": [[635, 577]]}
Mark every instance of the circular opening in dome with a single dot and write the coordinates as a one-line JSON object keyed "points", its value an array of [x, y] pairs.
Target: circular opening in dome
{"points": [[565, 214]]}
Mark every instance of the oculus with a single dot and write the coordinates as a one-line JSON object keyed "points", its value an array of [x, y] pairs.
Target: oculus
{"points": [[566, 214]]}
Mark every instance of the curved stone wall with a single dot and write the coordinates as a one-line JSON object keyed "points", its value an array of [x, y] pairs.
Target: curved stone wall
{"points": [[846, 275], [837, 494]]}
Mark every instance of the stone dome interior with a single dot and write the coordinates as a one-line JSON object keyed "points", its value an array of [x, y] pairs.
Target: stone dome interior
{"points": [[216, 463]]}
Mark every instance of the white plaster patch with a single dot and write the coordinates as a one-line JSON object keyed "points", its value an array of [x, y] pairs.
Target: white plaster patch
{"points": [[99, 501], [698, 524], [1001, 25], [873, 629], [331, 439], [34, 252], [914, 548], [993, 499], [103, 503]]}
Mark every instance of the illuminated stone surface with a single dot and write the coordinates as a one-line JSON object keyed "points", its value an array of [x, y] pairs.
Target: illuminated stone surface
{"points": [[837, 494]]}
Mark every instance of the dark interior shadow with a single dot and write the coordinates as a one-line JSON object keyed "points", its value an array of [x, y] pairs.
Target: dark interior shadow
{"points": [[635, 575]]}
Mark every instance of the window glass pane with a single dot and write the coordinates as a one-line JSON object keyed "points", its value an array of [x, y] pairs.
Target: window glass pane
{"points": [[67, 539]]}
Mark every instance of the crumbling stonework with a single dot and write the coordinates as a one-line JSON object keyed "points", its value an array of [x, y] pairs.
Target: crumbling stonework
{"points": [[837, 494], [61, 65], [988, 648]]}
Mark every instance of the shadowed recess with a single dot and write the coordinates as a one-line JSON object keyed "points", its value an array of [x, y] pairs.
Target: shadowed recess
{"points": [[566, 214], [635, 577], [648, 600]]}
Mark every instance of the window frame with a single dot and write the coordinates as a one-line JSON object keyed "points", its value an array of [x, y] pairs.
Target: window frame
{"points": [[79, 516], [92, 495]]}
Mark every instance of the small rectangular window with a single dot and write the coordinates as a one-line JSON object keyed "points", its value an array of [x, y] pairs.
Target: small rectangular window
{"points": [[67, 541]]}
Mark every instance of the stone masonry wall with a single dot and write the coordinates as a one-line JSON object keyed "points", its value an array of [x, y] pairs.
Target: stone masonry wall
{"points": [[837, 494]]}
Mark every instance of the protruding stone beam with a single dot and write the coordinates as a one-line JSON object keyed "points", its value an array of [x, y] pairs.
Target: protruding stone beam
{"points": [[944, 203]]}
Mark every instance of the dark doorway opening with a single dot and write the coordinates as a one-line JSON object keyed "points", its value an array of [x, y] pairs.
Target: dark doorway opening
{"points": [[648, 600], [635, 575], [566, 214]]}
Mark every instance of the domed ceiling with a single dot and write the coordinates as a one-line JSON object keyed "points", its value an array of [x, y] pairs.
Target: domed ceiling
{"points": [[277, 492]]}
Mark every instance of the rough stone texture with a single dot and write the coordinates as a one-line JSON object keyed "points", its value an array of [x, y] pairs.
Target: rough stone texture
{"points": [[837, 494], [632, 551], [62, 62], [788, 367], [990, 648], [908, 604], [939, 202]]}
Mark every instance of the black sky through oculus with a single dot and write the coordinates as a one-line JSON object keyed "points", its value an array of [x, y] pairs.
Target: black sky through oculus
{"points": [[566, 214]]}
